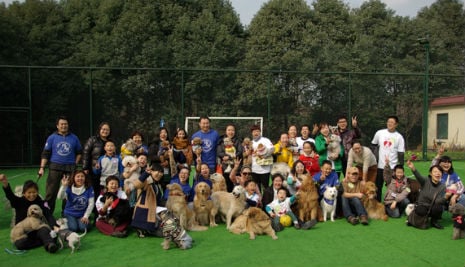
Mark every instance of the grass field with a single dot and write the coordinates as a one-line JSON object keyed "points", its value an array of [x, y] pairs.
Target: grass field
{"points": [[389, 243]]}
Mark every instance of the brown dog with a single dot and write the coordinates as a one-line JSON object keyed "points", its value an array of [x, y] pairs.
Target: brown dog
{"points": [[218, 182], [253, 221], [307, 200], [374, 209], [203, 205], [177, 204]]}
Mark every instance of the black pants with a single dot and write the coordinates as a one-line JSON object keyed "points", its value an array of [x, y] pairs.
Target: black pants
{"points": [[35, 239], [435, 213], [262, 180], [379, 183]]}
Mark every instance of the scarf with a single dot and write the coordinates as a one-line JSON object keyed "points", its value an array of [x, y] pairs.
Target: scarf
{"points": [[150, 202]]}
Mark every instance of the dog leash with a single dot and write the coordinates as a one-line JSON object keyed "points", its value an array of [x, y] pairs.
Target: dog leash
{"points": [[15, 251]]}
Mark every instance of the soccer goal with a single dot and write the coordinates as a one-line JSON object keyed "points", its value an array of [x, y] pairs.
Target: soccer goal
{"points": [[242, 124]]}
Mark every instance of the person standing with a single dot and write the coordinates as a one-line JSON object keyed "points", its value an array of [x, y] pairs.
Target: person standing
{"points": [[347, 136], [62, 151], [390, 145], [262, 158], [305, 136], [209, 139]]}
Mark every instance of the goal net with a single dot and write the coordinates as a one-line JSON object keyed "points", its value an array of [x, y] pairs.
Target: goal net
{"points": [[242, 124]]}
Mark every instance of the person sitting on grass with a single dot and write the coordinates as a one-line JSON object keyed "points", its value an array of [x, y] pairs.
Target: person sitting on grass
{"points": [[252, 197], [21, 204], [282, 206], [80, 201], [396, 197], [352, 205]]}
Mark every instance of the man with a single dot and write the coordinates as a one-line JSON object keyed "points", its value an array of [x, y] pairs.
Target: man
{"points": [[262, 158], [391, 145], [209, 139], [63, 151], [347, 136], [305, 136]]}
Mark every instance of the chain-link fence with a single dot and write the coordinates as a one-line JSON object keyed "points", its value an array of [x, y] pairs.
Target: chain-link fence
{"points": [[139, 98]]}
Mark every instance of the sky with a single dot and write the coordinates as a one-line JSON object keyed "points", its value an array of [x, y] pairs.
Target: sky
{"points": [[248, 8]]}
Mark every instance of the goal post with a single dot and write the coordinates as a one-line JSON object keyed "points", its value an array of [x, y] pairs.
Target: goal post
{"points": [[242, 124]]}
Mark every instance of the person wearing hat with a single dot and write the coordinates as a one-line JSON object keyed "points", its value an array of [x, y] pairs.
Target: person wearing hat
{"points": [[352, 205], [262, 158]]}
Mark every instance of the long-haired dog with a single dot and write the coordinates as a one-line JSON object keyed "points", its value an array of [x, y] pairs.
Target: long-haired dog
{"points": [[334, 146], [307, 200], [328, 203], [197, 145], [281, 168], [229, 150], [34, 221], [66, 235], [253, 221], [173, 231], [177, 204], [128, 148], [120, 211], [458, 216], [129, 163], [203, 205], [247, 149], [410, 207], [218, 182], [229, 205], [374, 209]]}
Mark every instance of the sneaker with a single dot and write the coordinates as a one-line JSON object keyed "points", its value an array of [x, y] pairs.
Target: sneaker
{"points": [[353, 220], [51, 248], [364, 219], [140, 233], [297, 226], [309, 224], [119, 234]]}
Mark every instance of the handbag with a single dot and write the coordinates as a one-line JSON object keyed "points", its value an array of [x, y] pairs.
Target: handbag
{"points": [[418, 221]]}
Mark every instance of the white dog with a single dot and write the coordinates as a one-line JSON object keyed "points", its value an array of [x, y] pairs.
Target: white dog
{"points": [[410, 207], [328, 203], [131, 168], [64, 234]]}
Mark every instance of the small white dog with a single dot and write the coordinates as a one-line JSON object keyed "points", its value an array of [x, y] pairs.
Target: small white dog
{"points": [[64, 234], [328, 203], [410, 207], [131, 168]]}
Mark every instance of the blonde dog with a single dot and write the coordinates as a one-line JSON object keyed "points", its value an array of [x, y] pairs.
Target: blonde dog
{"points": [[307, 200], [177, 204], [132, 170], [203, 205], [34, 221], [374, 209], [218, 182], [227, 204], [64, 234], [253, 221]]}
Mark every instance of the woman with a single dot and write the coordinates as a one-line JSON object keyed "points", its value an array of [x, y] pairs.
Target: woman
{"points": [[91, 152], [293, 146], [80, 201], [295, 179], [138, 139], [271, 193], [432, 196], [322, 142], [226, 158], [452, 181], [156, 154], [363, 158], [182, 149], [282, 152]]}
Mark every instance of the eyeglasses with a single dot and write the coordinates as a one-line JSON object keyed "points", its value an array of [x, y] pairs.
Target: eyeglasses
{"points": [[246, 173]]}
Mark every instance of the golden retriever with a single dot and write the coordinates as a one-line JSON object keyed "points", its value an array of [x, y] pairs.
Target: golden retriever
{"points": [[253, 221], [203, 205], [177, 204], [374, 209], [230, 205], [307, 200], [34, 221], [218, 182]]}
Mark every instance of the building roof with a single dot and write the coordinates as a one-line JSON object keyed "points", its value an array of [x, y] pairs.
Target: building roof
{"points": [[448, 101]]}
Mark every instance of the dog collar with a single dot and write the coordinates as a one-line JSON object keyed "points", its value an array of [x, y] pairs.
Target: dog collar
{"points": [[329, 201]]}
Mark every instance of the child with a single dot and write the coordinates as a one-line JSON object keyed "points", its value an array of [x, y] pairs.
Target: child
{"points": [[253, 198], [104, 208], [80, 201], [352, 205], [327, 177], [21, 204], [310, 158], [282, 206], [108, 164], [395, 200]]}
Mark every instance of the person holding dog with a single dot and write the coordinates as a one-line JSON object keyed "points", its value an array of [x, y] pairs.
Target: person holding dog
{"points": [[62, 151], [322, 145], [209, 139], [352, 205], [224, 157], [80, 201], [30, 196], [262, 158]]}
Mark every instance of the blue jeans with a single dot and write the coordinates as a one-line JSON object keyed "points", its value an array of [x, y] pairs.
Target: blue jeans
{"points": [[75, 224], [352, 207], [399, 210]]}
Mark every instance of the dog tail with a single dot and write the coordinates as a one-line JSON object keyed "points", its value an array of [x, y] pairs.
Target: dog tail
{"points": [[83, 234], [198, 228]]}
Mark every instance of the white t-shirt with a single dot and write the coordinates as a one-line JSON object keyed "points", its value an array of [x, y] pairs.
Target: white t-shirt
{"points": [[390, 143], [300, 142], [261, 169]]}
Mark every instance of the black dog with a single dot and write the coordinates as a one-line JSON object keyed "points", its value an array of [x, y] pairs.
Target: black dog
{"points": [[120, 211]]}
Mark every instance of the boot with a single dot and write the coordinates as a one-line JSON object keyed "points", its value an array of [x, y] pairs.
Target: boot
{"points": [[364, 219], [435, 224]]}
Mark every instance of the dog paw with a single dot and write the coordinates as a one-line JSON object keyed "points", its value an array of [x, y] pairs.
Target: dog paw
{"points": [[274, 237], [213, 225]]}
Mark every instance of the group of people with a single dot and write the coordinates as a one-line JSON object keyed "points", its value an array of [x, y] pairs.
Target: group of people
{"points": [[330, 155]]}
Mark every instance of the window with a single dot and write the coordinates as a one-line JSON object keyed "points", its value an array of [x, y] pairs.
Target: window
{"points": [[443, 126]]}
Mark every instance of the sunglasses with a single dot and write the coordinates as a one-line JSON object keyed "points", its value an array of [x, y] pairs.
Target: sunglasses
{"points": [[246, 173]]}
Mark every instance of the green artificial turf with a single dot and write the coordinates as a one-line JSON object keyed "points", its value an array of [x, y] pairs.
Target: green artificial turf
{"points": [[337, 243]]}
